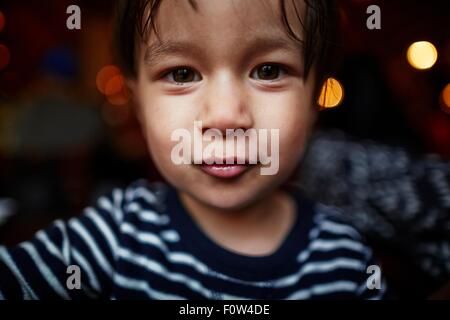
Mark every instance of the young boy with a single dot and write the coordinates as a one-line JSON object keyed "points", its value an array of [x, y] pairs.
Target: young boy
{"points": [[221, 228]]}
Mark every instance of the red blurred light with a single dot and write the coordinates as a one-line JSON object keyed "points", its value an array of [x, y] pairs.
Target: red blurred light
{"points": [[4, 56], [2, 21]]}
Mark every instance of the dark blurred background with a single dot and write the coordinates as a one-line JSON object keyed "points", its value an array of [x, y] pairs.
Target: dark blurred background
{"points": [[67, 131], [67, 128]]}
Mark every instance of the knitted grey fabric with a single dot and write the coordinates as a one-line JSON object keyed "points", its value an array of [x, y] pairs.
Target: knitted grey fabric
{"points": [[388, 194]]}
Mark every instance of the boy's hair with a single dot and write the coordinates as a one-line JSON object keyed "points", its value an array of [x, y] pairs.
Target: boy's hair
{"points": [[319, 26]]}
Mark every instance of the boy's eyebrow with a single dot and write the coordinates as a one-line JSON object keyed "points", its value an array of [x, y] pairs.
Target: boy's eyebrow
{"points": [[257, 45], [263, 44], [157, 50]]}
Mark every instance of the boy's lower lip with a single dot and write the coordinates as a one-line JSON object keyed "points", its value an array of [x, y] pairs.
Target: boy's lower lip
{"points": [[225, 171]]}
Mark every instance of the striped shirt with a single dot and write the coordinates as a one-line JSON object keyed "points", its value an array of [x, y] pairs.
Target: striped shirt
{"points": [[140, 243]]}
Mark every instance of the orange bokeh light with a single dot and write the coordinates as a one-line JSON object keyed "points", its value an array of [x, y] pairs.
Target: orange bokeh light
{"points": [[119, 99], [332, 94], [445, 96], [4, 56], [111, 83], [114, 85], [105, 75]]}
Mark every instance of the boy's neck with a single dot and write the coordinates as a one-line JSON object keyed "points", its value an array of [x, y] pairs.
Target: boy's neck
{"points": [[258, 229]]}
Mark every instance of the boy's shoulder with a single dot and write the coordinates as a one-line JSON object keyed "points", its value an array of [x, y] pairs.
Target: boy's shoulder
{"points": [[334, 220], [152, 193], [324, 220], [332, 229], [142, 196], [141, 200], [327, 227]]}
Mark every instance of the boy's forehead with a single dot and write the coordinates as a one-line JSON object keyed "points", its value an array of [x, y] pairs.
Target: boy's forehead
{"points": [[221, 21]]}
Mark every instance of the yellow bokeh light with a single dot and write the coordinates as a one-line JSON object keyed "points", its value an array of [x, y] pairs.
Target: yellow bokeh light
{"points": [[446, 98], [422, 55], [332, 94]]}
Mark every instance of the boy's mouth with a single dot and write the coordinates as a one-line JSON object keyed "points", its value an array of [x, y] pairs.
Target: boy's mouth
{"points": [[224, 170]]}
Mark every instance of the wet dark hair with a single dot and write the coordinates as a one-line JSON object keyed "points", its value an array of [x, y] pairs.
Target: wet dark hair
{"points": [[319, 30]]}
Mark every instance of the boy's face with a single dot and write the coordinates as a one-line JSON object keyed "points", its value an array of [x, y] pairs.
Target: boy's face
{"points": [[230, 65]]}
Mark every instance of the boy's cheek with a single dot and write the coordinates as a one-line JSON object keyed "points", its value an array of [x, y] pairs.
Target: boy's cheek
{"points": [[164, 114], [158, 132], [295, 131]]}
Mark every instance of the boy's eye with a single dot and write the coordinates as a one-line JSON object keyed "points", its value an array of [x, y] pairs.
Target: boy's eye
{"points": [[183, 75], [267, 72]]}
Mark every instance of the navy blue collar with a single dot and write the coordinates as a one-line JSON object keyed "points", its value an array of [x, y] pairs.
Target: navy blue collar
{"points": [[252, 268]]}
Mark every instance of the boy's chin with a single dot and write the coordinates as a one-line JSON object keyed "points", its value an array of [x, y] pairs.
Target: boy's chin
{"points": [[228, 200]]}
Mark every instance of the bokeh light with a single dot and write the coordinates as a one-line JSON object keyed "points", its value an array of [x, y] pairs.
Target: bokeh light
{"points": [[105, 75], [119, 99], [422, 55], [332, 94], [111, 83], [445, 97], [114, 85], [4, 56]]}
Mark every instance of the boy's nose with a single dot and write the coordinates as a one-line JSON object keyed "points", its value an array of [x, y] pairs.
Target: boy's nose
{"points": [[226, 105]]}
